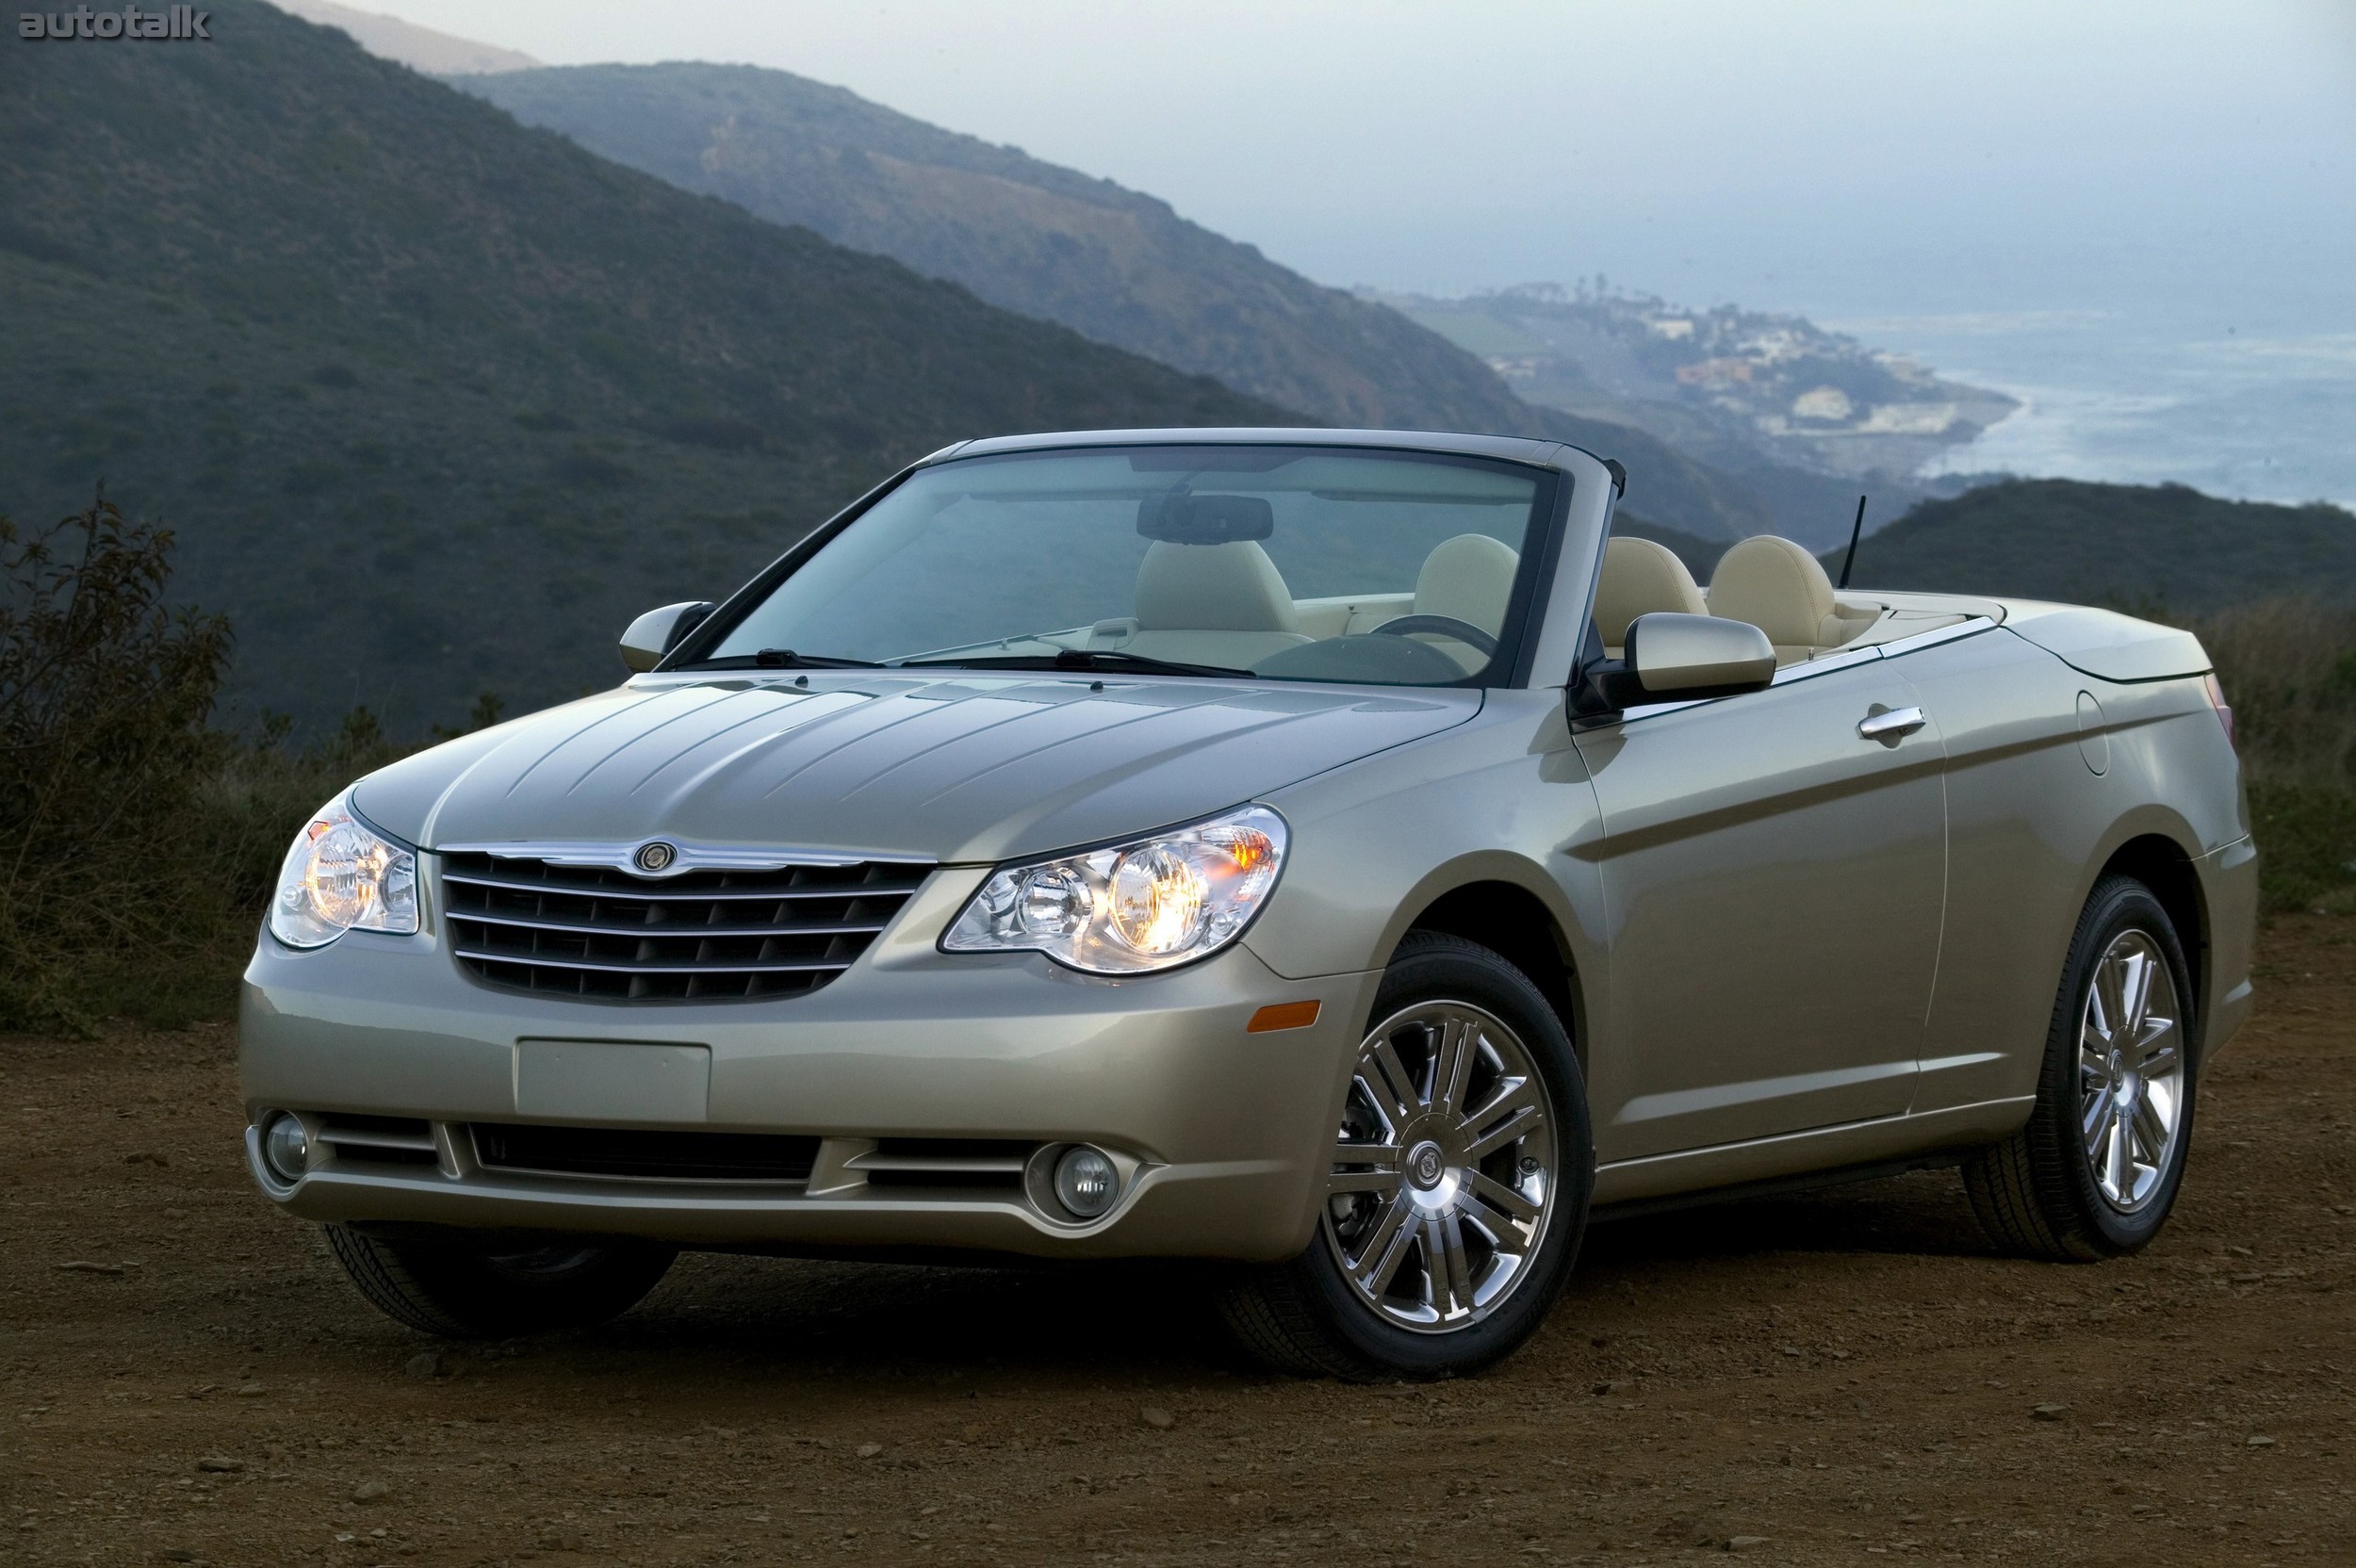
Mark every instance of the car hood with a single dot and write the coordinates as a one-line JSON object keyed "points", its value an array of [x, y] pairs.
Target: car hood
{"points": [[970, 767]]}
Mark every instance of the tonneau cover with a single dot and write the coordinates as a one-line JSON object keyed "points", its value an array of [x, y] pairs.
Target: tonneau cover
{"points": [[2104, 644]]}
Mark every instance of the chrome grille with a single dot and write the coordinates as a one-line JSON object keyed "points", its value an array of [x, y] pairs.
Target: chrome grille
{"points": [[595, 931]]}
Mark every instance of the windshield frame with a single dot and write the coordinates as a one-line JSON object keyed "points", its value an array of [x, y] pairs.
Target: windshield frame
{"points": [[1517, 638]]}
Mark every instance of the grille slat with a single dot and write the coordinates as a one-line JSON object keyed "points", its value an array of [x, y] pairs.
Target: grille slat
{"points": [[673, 929], [592, 931]]}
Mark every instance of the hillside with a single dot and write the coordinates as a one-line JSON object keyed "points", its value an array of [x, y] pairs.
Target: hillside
{"points": [[1121, 267], [420, 48], [1048, 241], [2162, 548], [436, 402]]}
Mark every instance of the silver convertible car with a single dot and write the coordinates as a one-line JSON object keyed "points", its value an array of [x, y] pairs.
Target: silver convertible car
{"points": [[1332, 854]]}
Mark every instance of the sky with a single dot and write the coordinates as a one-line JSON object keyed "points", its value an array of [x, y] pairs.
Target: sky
{"points": [[1846, 158]]}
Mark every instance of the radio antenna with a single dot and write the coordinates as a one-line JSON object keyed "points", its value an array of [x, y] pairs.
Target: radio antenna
{"points": [[1855, 529]]}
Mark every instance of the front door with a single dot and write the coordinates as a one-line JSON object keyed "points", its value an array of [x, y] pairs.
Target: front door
{"points": [[1774, 881]]}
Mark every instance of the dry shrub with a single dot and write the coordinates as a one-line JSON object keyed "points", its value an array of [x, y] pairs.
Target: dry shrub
{"points": [[2288, 666]]}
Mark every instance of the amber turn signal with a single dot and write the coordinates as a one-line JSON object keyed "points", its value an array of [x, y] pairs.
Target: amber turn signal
{"points": [[1282, 1015]]}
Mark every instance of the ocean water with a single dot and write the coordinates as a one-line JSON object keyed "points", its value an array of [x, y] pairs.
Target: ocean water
{"points": [[2264, 414]]}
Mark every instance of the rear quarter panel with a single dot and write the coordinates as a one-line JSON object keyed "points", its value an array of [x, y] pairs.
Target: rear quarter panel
{"points": [[2030, 824]]}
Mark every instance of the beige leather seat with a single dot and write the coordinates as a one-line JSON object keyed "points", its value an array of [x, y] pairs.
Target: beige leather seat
{"points": [[1781, 589], [1213, 604], [1468, 578], [1640, 578]]}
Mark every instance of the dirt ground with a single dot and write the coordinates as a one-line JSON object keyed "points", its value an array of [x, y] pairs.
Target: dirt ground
{"points": [[185, 1377]]}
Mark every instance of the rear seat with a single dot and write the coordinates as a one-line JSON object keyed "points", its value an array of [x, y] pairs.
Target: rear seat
{"points": [[1781, 589]]}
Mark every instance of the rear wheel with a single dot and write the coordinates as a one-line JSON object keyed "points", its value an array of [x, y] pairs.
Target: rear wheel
{"points": [[2096, 1170], [466, 1287], [1458, 1183]]}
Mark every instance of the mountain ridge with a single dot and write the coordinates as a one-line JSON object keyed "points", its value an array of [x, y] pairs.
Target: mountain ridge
{"points": [[436, 402], [1117, 265]]}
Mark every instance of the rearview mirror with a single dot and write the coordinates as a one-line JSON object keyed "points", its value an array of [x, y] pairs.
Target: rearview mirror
{"points": [[1184, 518], [1671, 657], [658, 632]]}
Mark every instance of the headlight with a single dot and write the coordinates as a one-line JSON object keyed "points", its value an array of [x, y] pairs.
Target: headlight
{"points": [[1131, 908], [339, 876]]}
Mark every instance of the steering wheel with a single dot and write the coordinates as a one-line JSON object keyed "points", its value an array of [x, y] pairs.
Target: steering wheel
{"points": [[1445, 626]]}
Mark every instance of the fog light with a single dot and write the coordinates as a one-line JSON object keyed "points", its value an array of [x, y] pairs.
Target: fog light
{"points": [[285, 1148], [1086, 1182]]}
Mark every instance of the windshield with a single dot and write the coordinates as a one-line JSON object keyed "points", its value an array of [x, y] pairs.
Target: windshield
{"points": [[1283, 563]]}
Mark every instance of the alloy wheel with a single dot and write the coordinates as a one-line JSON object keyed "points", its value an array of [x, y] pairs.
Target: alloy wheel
{"points": [[2130, 1071], [1444, 1172]]}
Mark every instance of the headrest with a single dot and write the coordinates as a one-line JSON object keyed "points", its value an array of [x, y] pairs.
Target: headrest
{"points": [[1777, 586], [1469, 578], [1639, 577], [1232, 587]]}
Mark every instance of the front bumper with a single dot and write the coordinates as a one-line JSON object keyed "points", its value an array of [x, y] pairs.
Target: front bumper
{"points": [[1221, 1133]]}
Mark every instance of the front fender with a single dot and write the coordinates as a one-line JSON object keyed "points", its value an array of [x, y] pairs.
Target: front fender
{"points": [[1503, 798]]}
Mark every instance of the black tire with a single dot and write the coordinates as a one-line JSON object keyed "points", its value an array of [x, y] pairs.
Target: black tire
{"points": [[2036, 1193], [469, 1287], [1305, 1317]]}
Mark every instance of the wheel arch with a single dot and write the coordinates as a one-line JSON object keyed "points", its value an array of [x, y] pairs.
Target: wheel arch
{"points": [[2162, 864], [1516, 922]]}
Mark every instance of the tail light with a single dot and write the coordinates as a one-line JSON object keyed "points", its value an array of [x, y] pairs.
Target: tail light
{"points": [[2216, 700]]}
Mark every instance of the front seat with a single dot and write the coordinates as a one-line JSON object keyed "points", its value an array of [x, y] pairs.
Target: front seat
{"points": [[1781, 589], [1213, 604], [1639, 577], [1468, 578]]}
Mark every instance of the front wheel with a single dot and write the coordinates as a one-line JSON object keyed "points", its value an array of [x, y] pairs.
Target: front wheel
{"points": [[461, 1286], [2096, 1170], [1457, 1188]]}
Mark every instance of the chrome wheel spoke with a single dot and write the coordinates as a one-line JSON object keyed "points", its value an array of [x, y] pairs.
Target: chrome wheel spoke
{"points": [[1384, 1176], [1452, 1064], [2150, 1131], [1443, 1240], [1385, 1248], [1504, 1199], [2134, 993], [1521, 1115], [1399, 1092], [2094, 1118], [2094, 1062], [2102, 998], [2115, 1158]]}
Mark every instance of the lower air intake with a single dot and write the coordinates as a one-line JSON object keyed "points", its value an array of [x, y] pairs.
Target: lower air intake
{"points": [[633, 1155]]}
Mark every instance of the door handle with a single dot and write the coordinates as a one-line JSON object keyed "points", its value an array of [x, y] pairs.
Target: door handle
{"points": [[1893, 725]]}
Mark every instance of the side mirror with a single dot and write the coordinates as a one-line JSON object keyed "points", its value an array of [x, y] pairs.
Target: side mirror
{"points": [[1671, 657], [658, 632]]}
